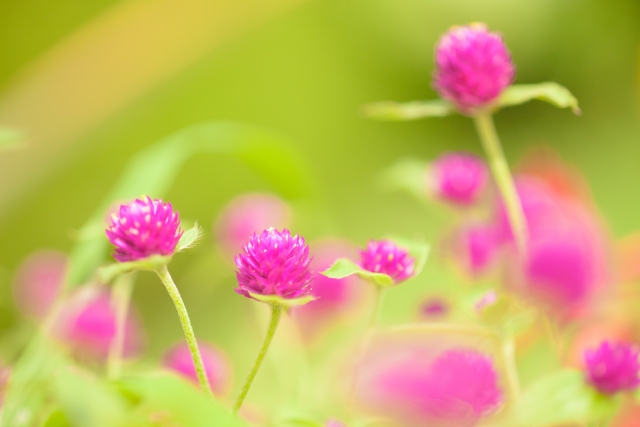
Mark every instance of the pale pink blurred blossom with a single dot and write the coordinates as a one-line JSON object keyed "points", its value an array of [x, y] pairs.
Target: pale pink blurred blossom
{"points": [[38, 282]]}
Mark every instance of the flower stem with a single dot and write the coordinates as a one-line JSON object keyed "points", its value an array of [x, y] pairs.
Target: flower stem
{"points": [[166, 279], [377, 308], [276, 312], [511, 372], [491, 143], [121, 298]]}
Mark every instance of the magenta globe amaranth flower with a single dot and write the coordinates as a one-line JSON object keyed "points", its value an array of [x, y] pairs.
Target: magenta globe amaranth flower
{"points": [[473, 67], [178, 359], [142, 228], [384, 256], [274, 264], [613, 367], [458, 178]]}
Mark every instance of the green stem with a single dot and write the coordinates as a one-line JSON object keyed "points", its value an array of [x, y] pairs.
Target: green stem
{"points": [[491, 143], [511, 371], [121, 298], [276, 312], [166, 279], [377, 308]]}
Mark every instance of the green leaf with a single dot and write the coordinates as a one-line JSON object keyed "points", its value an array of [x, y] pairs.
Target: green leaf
{"points": [[550, 92], [109, 272], [396, 111], [564, 398], [153, 171], [189, 238], [11, 138], [344, 267], [276, 300], [87, 400], [179, 401]]}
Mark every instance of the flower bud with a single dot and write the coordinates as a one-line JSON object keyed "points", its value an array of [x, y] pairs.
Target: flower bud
{"points": [[384, 256], [458, 178], [613, 367]]}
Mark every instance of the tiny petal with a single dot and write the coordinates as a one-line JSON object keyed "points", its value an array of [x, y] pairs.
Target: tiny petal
{"points": [[473, 67], [613, 367], [384, 256], [142, 228], [178, 359], [274, 263], [458, 178]]}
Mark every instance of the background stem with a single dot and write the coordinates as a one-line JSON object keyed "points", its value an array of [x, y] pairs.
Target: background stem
{"points": [[166, 279], [276, 312], [120, 299], [502, 176]]}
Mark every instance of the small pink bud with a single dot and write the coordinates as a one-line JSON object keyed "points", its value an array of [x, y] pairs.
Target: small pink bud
{"points": [[473, 67], [384, 256], [458, 178], [486, 300], [178, 359], [613, 367], [38, 282], [248, 214], [143, 228], [434, 307], [274, 263]]}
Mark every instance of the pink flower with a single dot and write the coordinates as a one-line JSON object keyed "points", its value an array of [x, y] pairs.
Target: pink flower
{"points": [[88, 325], [248, 214], [457, 387], [613, 367], [178, 359], [38, 282], [476, 246], [434, 307], [486, 300], [274, 264], [459, 178], [384, 256], [143, 228], [473, 67]]}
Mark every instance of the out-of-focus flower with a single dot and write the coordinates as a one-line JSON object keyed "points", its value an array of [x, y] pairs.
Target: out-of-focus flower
{"points": [[475, 246], [38, 281], [473, 67], [142, 228], [274, 263], [384, 256], [333, 297], [613, 367], [458, 178], [486, 300], [457, 387], [248, 214], [88, 325], [434, 307], [334, 423], [178, 359]]}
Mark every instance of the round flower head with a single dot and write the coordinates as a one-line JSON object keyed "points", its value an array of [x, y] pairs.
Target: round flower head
{"points": [[459, 178], [143, 228], [384, 256], [613, 367], [274, 264], [178, 359], [473, 67]]}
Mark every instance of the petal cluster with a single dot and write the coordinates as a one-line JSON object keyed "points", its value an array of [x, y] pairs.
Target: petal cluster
{"points": [[613, 367], [384, 256], [458, 178], [473, 67], [142, 228], [274, 263]]}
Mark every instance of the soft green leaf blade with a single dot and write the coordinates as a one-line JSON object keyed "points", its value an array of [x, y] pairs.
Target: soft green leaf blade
{"points": [[550, 92], [189, 238], [396, 111], [344, 267], [563, 398], [109, 272], [153, 170], [11, 138], [185, 404]]}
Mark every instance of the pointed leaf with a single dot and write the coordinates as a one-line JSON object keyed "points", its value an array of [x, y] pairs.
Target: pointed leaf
{"points": [[109, 272], [189, 238], [550, 92], [396, 111], [344, 267]]}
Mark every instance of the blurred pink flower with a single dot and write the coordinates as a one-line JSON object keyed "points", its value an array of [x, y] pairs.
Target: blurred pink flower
{"points": [[473, 67], [88, 325], [384, 256], [475, 246], [142, 228], [334, 423], [434, 307], [486, 300], [178, 359], [38, 281], [613, 367], [459, 178], [248, 214], [274, 263]]}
